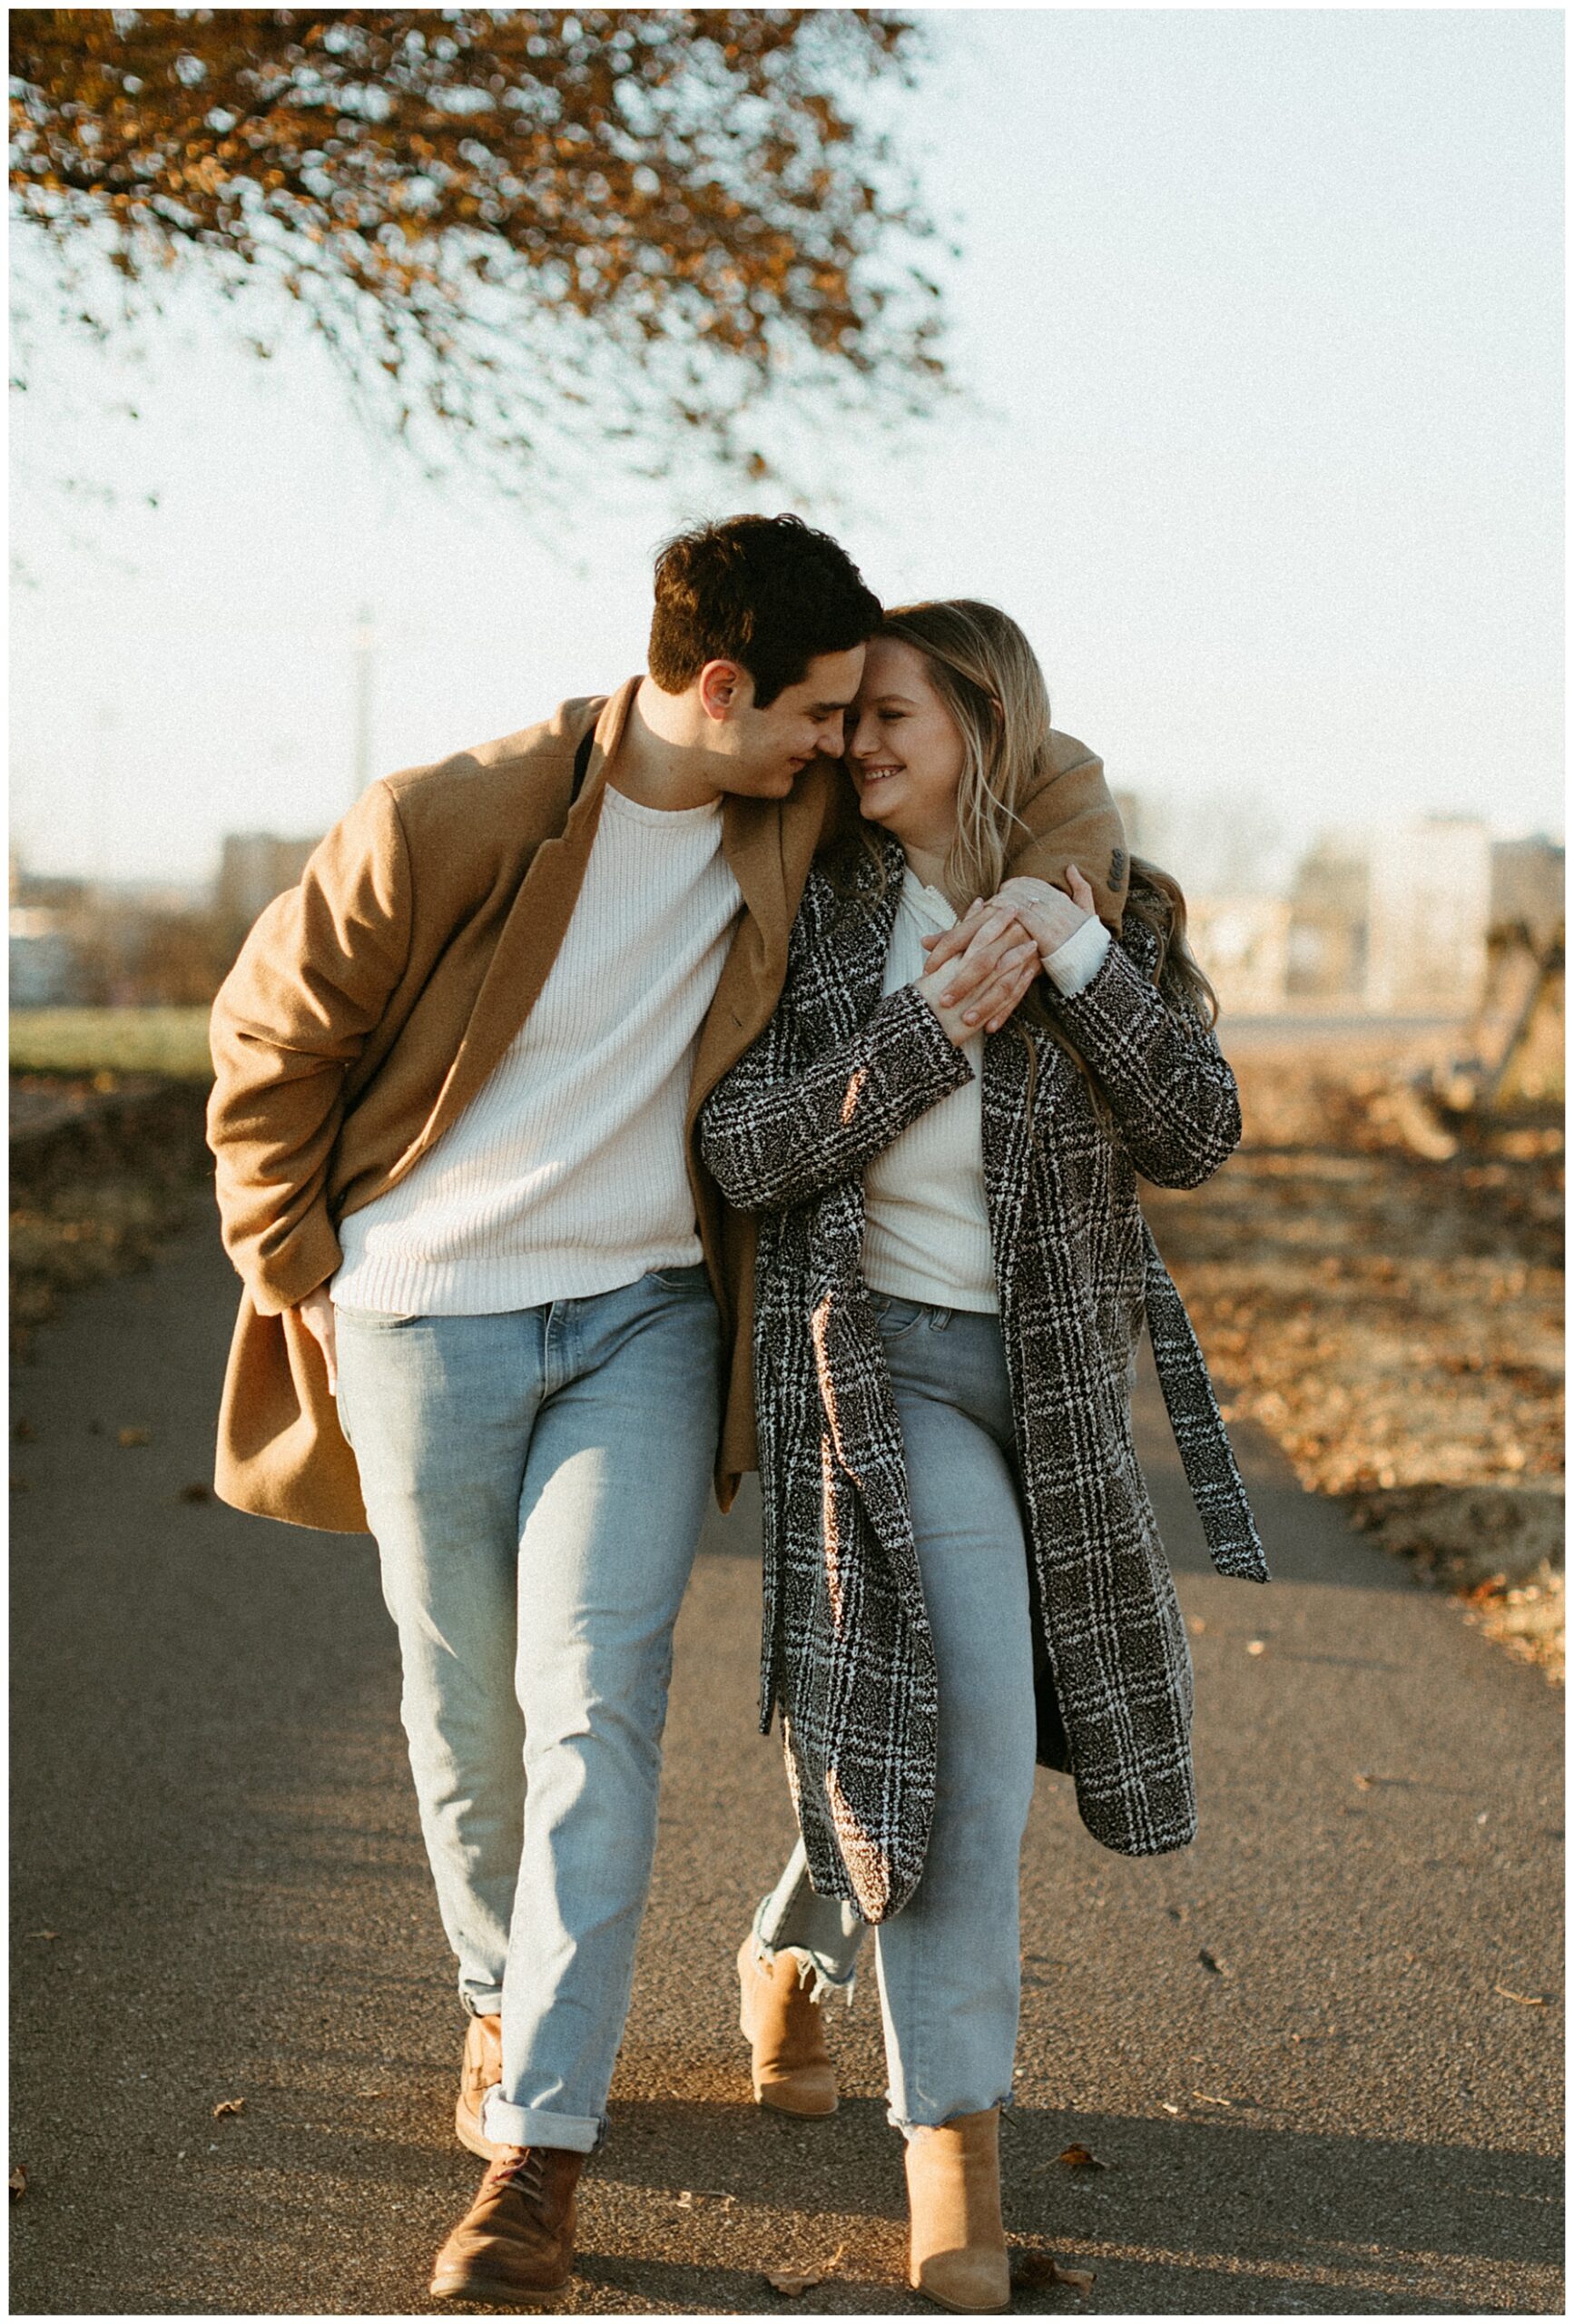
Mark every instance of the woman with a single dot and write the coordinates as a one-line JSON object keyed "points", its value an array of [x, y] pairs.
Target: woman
{"points": [[962, 1569]]}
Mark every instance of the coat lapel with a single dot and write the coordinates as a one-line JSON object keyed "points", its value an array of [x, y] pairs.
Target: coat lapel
{"points": [[756, 961], [537, 924]]}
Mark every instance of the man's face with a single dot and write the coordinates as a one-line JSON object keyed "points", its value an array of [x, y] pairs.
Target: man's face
{"points": [[760, 753]]}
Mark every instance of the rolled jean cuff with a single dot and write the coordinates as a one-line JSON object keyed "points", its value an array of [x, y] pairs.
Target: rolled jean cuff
{"points": [[951, 2115], [483, 2005], [508, 2125], [811, 1965]]}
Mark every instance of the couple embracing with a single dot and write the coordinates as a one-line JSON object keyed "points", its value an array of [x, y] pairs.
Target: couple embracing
{"points": [[750, 1066]]}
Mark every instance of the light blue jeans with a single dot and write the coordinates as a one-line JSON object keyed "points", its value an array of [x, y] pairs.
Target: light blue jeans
{"points": [[536, 1482], [949, 1962]]}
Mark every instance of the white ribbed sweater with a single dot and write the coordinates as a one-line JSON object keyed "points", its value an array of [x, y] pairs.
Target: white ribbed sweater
{"points": [[566, 1176], [926, 1222]]}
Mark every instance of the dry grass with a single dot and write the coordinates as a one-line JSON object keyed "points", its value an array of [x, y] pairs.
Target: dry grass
{"points": [[1394, 1322]]}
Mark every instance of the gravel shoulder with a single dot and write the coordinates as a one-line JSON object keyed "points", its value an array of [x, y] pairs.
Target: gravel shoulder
{"points": [[220, 1895]]}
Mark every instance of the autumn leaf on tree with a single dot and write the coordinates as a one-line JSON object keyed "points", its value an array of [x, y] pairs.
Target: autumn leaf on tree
{"points": [[503, 222]]}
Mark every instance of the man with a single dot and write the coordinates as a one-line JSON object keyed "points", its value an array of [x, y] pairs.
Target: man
{"points": [[458, 1069]]}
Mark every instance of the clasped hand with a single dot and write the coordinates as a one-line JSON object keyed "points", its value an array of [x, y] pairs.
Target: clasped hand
{"points": [[980, 969]]}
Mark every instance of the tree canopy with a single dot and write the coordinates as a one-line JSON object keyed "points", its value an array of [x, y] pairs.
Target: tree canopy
{"points": [[496, 218]]}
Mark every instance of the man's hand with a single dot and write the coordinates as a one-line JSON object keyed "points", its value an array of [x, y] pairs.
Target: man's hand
{"points": [[315, 1312], [976, 988]]}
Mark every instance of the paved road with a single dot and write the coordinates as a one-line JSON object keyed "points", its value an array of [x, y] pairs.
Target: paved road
{"points": [[212, 1816]]}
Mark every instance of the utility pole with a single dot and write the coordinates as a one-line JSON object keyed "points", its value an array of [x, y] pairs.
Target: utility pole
{"points": [[364, 650]]}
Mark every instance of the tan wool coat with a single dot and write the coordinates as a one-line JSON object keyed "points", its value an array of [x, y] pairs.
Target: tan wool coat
{"points": [[370, 1003]]}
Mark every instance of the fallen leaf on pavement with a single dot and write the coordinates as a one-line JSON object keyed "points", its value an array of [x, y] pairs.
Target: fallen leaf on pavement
{"points": [[1255, 1646], [1081, 2157], [1210, 1960], [1527, 2000], [195, 1493], [50, 1933], [229, 2106], [126, 1437], [1364, 1782], [1196, 1626], [1168, 2107], [1033, 2268], [24, 1433], [794, 2282], [17, 2182]]}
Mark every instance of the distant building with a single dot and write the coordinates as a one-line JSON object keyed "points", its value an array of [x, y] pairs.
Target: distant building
{"points": [[45, 969], [254, 868], [1527, 889], [48, 968], [1242, 944], [1329, 913], [1430, 907]]}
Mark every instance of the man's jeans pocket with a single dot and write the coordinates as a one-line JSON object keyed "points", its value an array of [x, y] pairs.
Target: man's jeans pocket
{"points": [[354, 1323], [689, 1278]]}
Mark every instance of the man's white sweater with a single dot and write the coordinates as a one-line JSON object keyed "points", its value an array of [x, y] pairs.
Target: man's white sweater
{"points": [[566, 1174]]}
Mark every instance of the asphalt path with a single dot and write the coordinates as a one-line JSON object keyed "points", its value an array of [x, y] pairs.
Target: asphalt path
{"points": [[1318, 2052]]}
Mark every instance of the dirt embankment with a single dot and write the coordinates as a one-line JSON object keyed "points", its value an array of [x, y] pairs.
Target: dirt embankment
{"points": [[103, 1167], [1394, 1321]]}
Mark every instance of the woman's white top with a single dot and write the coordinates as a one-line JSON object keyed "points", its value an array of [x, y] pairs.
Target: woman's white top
{"points": [[565, 1175], [927, 1226]]}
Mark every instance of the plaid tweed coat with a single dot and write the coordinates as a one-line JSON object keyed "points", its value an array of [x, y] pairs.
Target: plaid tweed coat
{"points": [[835, 1077]]}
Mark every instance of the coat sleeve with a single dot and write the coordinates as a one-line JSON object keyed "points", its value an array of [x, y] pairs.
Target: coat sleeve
{"points": [[1070, 816], [774, 1132], [1169, 1088], [313, 981]]}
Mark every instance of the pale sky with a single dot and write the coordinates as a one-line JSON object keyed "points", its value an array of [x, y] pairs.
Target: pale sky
{"points": [[1260, 312]]}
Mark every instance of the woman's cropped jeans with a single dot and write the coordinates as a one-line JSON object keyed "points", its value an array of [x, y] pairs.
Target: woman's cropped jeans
{"points": [[537, 1482], [949, 1962]]}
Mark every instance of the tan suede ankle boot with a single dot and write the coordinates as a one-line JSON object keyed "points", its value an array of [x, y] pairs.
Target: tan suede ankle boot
{"points": [[956, 2251], [790, 2067]]}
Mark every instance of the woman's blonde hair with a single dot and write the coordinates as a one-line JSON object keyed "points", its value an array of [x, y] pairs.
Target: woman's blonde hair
{"points": [[987, 677]]}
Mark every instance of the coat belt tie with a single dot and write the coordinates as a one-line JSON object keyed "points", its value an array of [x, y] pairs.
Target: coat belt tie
{"points": [[1198, 1428]]}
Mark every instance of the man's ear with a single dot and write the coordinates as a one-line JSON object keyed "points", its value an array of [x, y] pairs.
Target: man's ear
{"points": [[725, 688]]}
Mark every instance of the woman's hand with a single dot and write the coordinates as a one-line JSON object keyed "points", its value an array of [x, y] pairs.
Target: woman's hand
{"points": [[992, 926], [983, 976], [1049, 917]]}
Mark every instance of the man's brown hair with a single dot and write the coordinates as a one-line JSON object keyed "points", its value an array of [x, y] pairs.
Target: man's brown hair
{"points": [[769, 592]]}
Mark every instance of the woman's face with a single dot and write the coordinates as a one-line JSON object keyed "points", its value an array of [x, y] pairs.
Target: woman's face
{"points": [[904, 750]]}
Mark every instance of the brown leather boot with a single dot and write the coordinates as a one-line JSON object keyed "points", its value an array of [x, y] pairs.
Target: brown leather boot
{"points": [[790, 2067], [481, 2070], [515, 2245], [957, 2250]]}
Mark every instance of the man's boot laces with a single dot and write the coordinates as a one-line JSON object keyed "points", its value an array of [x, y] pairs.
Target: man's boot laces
{"points": [[525, 2173]]}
